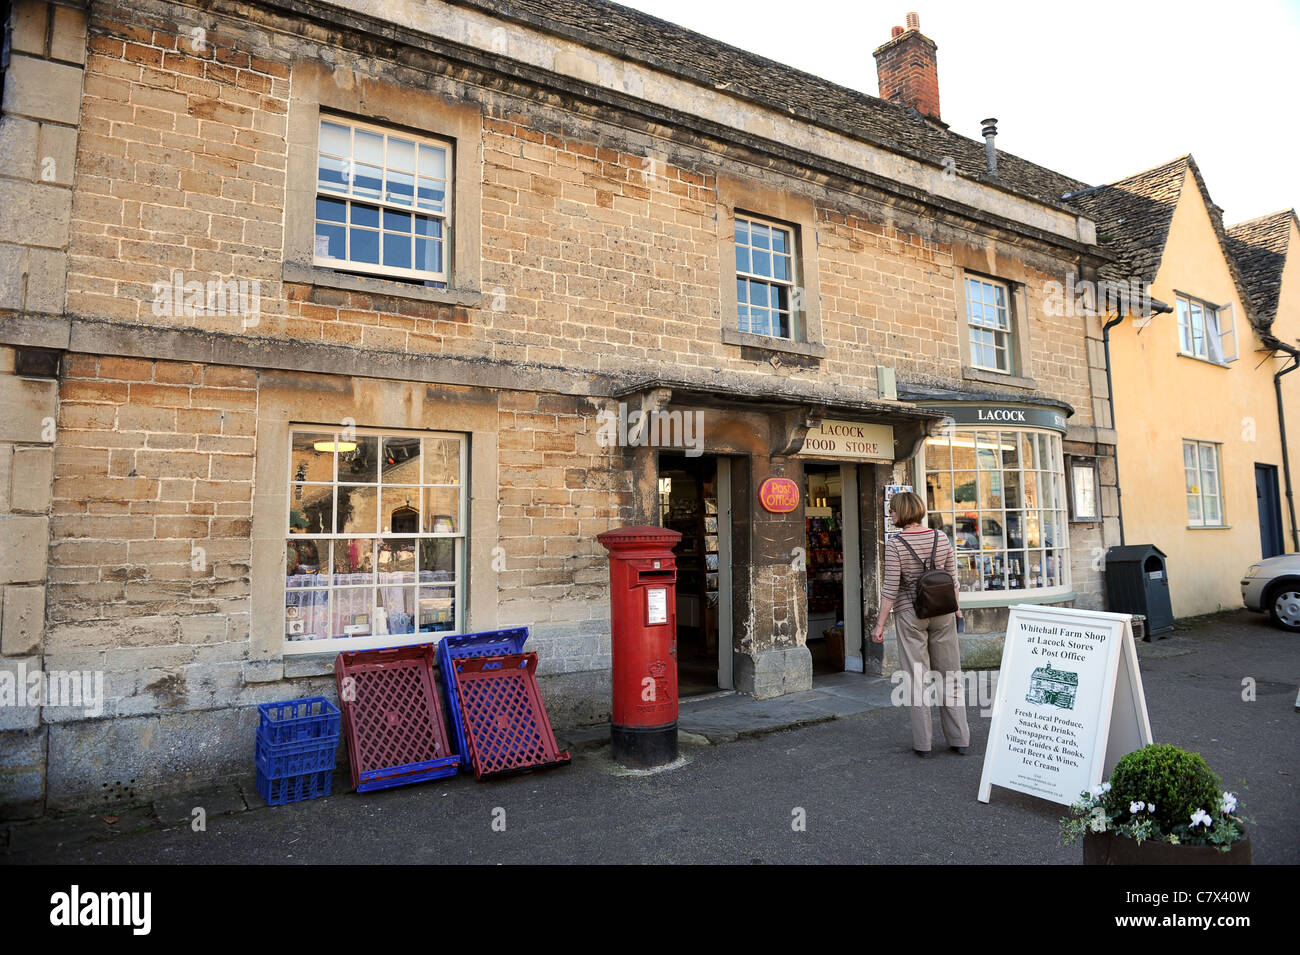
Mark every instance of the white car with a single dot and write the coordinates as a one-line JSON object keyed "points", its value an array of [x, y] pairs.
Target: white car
{"points": [[1273, 586]]}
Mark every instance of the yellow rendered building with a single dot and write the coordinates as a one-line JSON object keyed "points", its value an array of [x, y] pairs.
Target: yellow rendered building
{"points": [[1200, 459]]}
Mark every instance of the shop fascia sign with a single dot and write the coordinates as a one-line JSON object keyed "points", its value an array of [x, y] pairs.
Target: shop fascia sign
{"points": [[850, 440], [993, 415]]}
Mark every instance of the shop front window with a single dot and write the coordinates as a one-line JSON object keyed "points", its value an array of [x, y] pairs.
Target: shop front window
{"points": [[375, 537], [1000, 496]]}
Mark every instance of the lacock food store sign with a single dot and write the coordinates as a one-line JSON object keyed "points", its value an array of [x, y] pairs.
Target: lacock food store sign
{"points": [[1069, 703], [850, 441]]}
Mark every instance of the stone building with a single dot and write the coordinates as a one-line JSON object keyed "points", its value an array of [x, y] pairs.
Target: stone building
{"points": [[330, 325]]}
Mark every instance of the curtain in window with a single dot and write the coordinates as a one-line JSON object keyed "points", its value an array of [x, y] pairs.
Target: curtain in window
{"points": [[1214, 338]]}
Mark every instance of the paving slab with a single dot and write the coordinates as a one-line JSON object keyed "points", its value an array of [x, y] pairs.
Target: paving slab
{"points": [[218, 801]]}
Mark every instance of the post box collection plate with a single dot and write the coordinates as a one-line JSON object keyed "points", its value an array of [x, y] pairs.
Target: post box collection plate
{"points": [[656, 610]]}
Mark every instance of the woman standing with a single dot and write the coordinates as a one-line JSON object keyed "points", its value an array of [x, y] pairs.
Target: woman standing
{"points": [[924, 643]]}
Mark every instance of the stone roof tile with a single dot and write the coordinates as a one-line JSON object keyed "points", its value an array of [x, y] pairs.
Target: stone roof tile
{"points": [[1260, 248]]}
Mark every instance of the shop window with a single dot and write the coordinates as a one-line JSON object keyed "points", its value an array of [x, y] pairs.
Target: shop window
{"points": [[1204, 494], [1000, 496], [375, 537], [988, 317], [765, 278], [1206, 331], [383, 206]]}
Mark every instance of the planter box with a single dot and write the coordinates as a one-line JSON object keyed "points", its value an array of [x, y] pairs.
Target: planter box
{"points": [[1106, 848]]}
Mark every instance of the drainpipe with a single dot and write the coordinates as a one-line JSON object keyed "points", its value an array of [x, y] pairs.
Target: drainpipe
{"points": [[1271, 342]]}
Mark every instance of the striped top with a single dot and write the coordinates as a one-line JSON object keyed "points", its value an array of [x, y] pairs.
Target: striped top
{"points": [[902, 569]]}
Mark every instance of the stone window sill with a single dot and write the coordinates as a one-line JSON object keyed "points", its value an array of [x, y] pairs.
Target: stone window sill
{"points": [[997, 378], [1209, 527], [732, 336], [328, 278]]}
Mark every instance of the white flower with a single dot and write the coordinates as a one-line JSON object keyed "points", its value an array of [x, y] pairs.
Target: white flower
{"points": [[1136, 807], [1105, 787], [1151, 807], [1200, 817], [1229, 802], [1096, 791]]}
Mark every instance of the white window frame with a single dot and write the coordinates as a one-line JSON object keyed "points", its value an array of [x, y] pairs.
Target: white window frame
{"points": [[1217, 324], [1003, 333], [384, 203], [1199, 494], [1057, 503], [791, 285], [333, 643]]}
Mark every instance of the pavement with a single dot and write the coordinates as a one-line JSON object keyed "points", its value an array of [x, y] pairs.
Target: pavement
{"points": [[824, 776]]}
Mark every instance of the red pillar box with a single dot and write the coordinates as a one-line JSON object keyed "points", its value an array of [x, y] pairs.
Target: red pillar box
{"points": [[643, 621]]}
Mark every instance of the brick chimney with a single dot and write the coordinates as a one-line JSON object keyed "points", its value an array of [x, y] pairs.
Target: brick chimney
{"points": [[909, 70]]}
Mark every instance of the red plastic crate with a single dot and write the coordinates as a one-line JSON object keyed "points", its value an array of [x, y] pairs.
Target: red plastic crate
{"points": [[506, 726], [392, 717]]}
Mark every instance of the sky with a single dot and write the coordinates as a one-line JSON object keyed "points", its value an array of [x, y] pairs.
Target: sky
{"points": [[1095, 90]]}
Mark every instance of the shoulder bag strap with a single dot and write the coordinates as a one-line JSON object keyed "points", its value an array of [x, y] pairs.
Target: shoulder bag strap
{"points": [[899, 537]]}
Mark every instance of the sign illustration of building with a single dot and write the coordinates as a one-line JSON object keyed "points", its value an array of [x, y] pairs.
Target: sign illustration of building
{"points": [[1054, 687]]}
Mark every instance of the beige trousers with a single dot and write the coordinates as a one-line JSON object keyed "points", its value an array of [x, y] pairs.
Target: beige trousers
{"points": [[926, 644]]}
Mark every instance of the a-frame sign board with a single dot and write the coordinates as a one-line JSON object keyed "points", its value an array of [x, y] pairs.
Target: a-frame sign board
{"points": [[1069, 703]]}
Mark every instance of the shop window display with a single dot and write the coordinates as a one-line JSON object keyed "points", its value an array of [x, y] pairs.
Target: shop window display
{"points": [[1000, 496], [375, 538]]}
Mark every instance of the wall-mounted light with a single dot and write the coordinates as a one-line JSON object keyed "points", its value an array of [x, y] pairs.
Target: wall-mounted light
{"points": [[342, 447]]}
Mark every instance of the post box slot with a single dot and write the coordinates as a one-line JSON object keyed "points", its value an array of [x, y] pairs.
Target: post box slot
{"points": [[657, 575]]}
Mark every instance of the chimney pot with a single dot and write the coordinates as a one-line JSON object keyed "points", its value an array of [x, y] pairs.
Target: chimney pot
{"points": [[913, 21], [895, 33]]}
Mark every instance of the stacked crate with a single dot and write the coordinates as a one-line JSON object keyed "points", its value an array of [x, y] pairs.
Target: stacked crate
{"points": [[297, 745]]}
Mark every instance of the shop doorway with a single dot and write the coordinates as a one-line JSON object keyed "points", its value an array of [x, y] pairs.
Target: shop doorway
{"points": [[833, 562], [695, 500]]}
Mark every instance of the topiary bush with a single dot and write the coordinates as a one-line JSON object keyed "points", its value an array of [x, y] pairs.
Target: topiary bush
{"points": [[1176, 781]]}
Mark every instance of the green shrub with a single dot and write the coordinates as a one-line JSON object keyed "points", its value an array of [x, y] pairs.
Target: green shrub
{"points": [[1178, 782]]}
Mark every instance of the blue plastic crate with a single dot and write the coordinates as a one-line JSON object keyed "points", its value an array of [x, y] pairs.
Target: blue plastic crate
{"points": [[278, 792], [294, 721], [278, 760], [391, 776], [461, 646]]}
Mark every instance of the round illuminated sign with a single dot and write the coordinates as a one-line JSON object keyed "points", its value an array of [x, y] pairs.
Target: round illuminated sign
{"points": [[779, 495]]}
